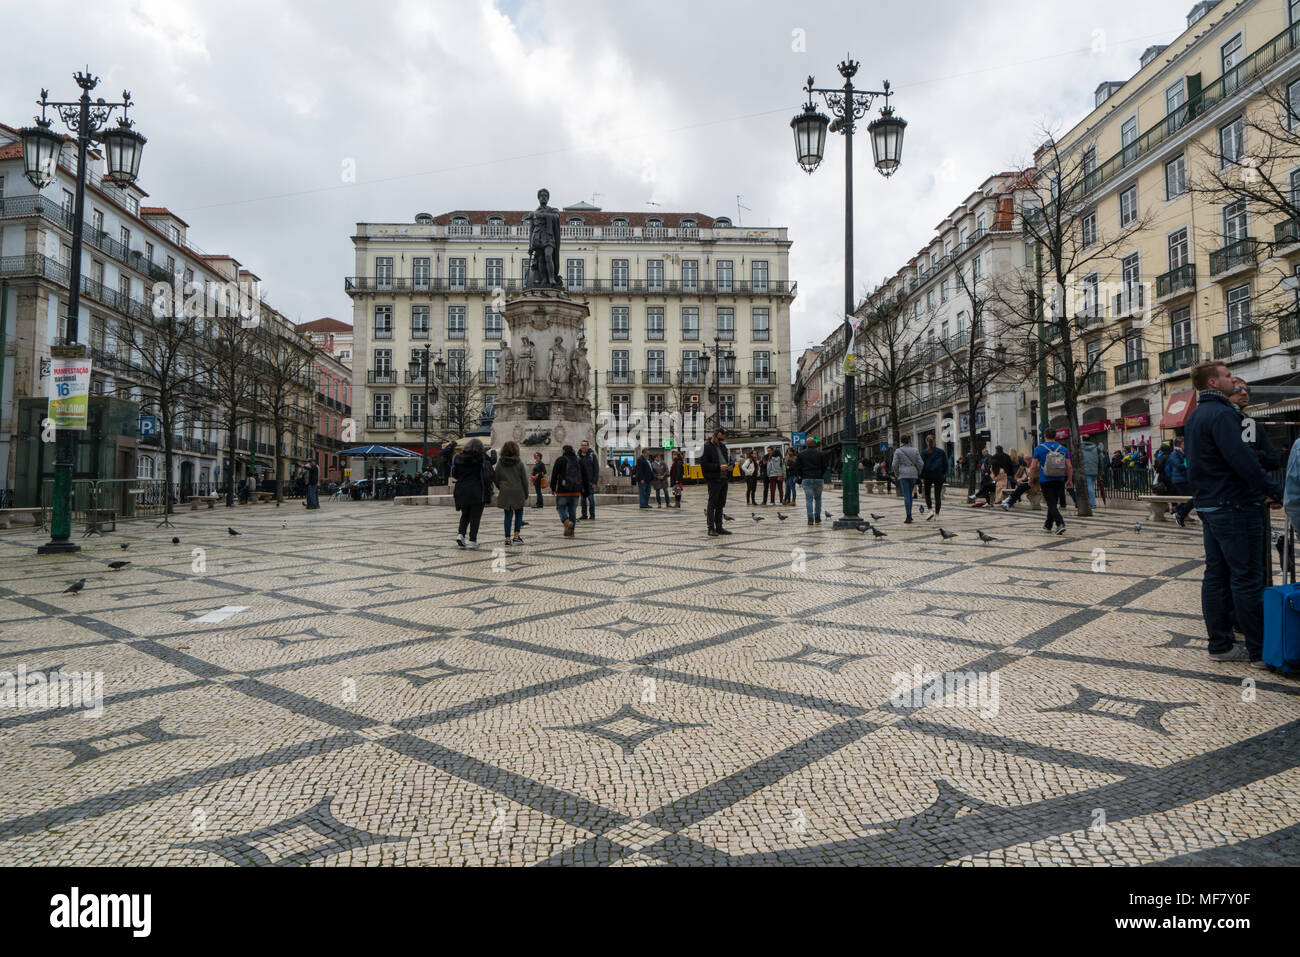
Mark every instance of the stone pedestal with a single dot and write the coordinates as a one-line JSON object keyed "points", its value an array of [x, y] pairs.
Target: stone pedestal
{"points": [[543, 402]]}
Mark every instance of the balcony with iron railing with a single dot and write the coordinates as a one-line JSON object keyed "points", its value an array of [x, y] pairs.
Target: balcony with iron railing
{"points": [[381, 423], [654, 377], [779, 288], [1234, 258], [690, 378], [1129, 302], [762, 377], [618, 377], [1225, 87], [382, 332], [419, 332], [1177, 282], [1093, 382], [1127, 373], [1237, 342], [381, 376], [1288, 326], [1179, 358], [1286, 237]]}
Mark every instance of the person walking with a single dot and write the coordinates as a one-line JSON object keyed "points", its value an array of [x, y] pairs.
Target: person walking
{"points": [[313, 485], [1177, 472], [511, 478], [1228, 488], [539, 477], [1052, 469], [568, 484], [473, 475], [1093, 459], [908, 466], [591, 472], [934, 472], [749, 471], [676, 473], [775, 478], [811, 471], [790, 469], [660, 480], [715, 466], [643, 475]]}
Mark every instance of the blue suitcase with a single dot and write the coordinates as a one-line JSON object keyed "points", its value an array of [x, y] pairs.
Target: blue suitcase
{"points": [[1282, 619]]}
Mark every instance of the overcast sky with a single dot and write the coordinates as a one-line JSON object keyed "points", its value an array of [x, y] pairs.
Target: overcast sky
{"points": [[255, 111]]}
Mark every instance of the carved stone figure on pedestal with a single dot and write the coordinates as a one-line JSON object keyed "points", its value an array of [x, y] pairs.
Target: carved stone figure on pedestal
{"points": [[506, 373], [543, 225], [579, 371], [558, 370], [526, 363]]}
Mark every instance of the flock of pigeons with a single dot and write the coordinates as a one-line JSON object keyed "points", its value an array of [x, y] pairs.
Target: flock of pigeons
{"points": [[117, 566]]}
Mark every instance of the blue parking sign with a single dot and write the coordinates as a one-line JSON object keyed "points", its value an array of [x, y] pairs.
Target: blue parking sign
{"points": [[148, 425], [798, 439]]}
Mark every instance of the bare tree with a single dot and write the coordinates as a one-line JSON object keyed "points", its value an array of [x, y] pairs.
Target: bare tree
{"points": [[975, 357], [167, 364], [461, 395], [889, 353], [233, 372], [1061, 288], [1248, 169], [284, 364]]}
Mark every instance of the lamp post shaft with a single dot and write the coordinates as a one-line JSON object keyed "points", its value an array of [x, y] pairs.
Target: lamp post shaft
{"points": [[849, 446], [424, 449], [78, 220]]}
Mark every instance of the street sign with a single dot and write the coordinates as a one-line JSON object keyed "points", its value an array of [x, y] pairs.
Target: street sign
{"points": [[798, 439], [668, 443], [148, 425]]}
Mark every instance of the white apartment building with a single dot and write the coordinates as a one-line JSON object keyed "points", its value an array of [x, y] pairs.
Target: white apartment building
{"points": [[663, 288]]}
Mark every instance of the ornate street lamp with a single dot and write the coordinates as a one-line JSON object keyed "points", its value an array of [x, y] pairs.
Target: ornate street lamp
{"points": [[848, 105], [41, 150]]}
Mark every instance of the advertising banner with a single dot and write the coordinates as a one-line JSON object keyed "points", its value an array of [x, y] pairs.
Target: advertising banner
{"points": [[69, 393]]}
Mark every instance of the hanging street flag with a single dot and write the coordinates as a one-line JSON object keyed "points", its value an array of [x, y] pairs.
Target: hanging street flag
{"points": [[69, 392]]}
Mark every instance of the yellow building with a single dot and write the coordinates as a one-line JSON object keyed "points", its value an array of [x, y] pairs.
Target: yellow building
{"points": [[663, 288], [1193, 267]]}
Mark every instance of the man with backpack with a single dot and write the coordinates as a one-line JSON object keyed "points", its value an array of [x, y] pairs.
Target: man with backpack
{"points": [[569, 484], [1052, 469]]}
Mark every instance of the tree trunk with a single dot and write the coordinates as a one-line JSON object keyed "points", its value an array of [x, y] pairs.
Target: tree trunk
{"points": [[279, 479], [231, 427], [167, 463]]}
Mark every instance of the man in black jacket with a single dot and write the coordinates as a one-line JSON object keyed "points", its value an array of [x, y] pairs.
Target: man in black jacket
{"points": [[715, 467], [812, 466], [591, 472], [642, 475], [1228, 487]]}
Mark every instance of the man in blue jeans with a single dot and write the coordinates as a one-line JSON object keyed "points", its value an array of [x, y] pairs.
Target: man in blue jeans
{"points": [[811, 468], [1228, 487]]}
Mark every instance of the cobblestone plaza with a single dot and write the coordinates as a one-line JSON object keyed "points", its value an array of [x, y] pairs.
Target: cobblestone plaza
{"points": [[347, 687]]}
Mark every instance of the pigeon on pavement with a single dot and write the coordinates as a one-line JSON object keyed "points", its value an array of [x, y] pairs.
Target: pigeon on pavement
{"points": [[175, 540], [232, 531], [877, 532], [755, 517], [985, 538], [946, 534], [781, 517], [1137, 526], [727, 517], [118, 566], [75, 587], [876, 517], [828, 514], [125, 546]]}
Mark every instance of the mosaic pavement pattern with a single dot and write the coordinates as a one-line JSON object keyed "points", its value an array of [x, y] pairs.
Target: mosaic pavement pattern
{"points": [[347, 687]]}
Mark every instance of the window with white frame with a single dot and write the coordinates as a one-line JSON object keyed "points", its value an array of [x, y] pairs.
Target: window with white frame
{"points": [[383, 272], [620, 324], [690, 323], [724, 272], [575, 273], [762, 409], [726, 323], [419, 322], [1237, 303], [618, 275], [654, 322], [491, 360], [492, 325], [420, 272], [1175, 177], [1179, 249], [619, 362], [654, 361], [1234, 222], [456, 322], [761, 326], [1128, 206], [654, 275], [494, 272], [1180, 327], [1128, 134], [1232, 142], [1230, 57], [382, 406], [758, 273], [690, 275], [456, 273], [383, 322], [1087, 232]]}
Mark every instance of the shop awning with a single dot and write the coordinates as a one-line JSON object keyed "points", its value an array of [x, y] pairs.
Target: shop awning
{"points": [[1287, 405], [1177, 409]]}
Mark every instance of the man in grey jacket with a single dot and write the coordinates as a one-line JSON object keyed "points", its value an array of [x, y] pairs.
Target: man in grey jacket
{"points": [[1093, 458], [907, 466]]}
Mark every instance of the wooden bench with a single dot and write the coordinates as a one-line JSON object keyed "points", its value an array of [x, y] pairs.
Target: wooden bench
{"points": [[196, 499], [264, 496], [1159, 504], [9, 515]]}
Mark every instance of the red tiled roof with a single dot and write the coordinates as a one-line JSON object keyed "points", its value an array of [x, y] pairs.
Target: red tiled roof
{"points": [[11, 151], [323, 325], [513, 217], [161, 211]]}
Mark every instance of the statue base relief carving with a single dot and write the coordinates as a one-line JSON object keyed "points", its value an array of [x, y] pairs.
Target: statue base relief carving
{"points": [[543, 399]]}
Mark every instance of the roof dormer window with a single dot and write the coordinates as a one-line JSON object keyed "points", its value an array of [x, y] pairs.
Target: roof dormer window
{"points": [[654, 223], [576, 221], [723, 222]]}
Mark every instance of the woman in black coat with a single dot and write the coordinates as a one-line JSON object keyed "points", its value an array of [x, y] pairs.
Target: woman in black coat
{"points": [[471, 490]]}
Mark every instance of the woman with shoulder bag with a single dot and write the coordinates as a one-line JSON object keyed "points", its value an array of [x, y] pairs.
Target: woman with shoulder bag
{"points": [[512, 489], [470, 492]]}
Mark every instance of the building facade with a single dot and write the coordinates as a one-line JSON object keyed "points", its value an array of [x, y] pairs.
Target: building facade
{"points": [[662, 288], [331, 337], [333, 414], [1195, 268], [128, 247]]}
